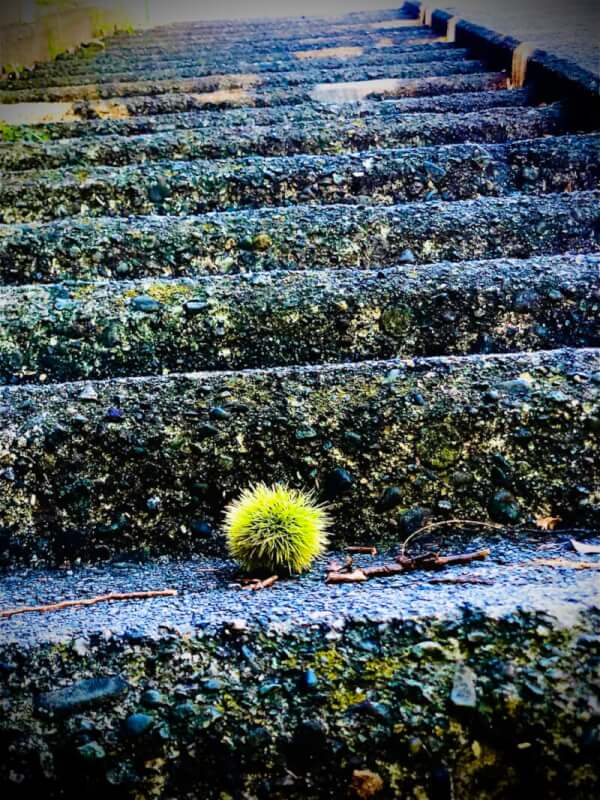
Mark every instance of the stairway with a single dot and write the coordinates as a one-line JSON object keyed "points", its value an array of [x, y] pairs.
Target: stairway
{"points": [[341, 253]]}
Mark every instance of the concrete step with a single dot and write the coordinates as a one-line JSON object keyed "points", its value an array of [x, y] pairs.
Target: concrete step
{"points": [[147, 464], [305, 114], [249, 48], [333, 135], [264, 81], [235, 98], [68, 332], [286, 36], [169, 70], [304, 690], [449, 172], [298, 237], [254, 49], [105, 65]]}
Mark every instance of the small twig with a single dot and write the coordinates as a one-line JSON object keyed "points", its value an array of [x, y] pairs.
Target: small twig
{"points": [[256, 585], [367, 550], [462, 558], [406, 564], [461, 579], [268, 582], [89, 602], [358, 576], [435, 561], [430, 526], [382, 570]]}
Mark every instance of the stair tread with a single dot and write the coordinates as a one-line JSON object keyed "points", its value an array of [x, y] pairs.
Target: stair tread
{"points": [[207, 600], [301, 113]]}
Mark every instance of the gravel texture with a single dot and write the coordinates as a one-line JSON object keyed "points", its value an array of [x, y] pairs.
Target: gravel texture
{"points": [[357, 133], [240, 195], [140, 464], [300, 237], [97, 330], [450, 172]]}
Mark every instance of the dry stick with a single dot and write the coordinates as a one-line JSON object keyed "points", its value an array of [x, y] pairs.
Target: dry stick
{"points": [[259, 585], [384, 569], [369, 551], [358, 576], [90, 601], [461, 558], [461, 579], [441, 524], [427, 561]]}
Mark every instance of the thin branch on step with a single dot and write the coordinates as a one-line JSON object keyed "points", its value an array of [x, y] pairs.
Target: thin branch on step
{"points": [[383, 570], [368, 550], [462, 579], [432, 525], [11, 612], [405, 564], [358, 576], [435, 561], [256, 585]]}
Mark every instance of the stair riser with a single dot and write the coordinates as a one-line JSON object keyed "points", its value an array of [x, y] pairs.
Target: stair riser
{"points": [[331, 136], [452, 172], [165, 70], [132, 469], [308, 114], [266, 729], [97, 331], [300, 238], [266, 81]]}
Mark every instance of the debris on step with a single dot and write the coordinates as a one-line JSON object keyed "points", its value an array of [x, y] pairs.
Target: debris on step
{"points": [[105, 598]]}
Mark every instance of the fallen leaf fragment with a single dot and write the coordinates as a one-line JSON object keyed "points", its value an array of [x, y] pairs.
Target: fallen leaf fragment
{"points": [[585, 549], [366, 783], [547, 523], [560, 563]]}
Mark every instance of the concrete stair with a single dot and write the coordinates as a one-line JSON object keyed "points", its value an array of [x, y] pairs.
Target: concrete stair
{"points": [[339, 253]]}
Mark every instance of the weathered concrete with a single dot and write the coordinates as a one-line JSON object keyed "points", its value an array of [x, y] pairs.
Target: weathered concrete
{"points": [[213, 101], [168, 70], [361, 132], [70, 332], [481, 688], [509, 437], [428, 696], [301, 116], [213, 83], [450, 172], [300, 237]]}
